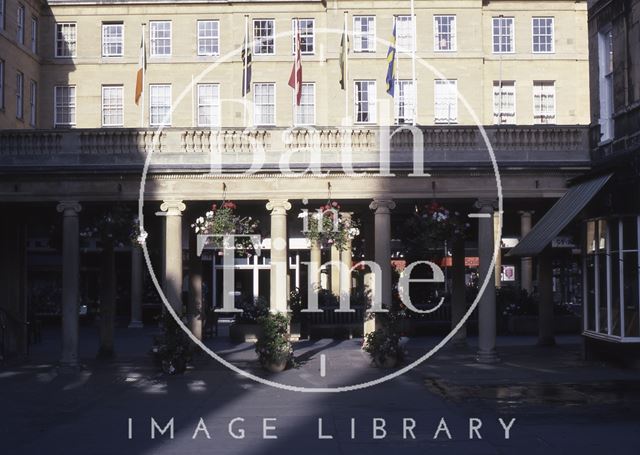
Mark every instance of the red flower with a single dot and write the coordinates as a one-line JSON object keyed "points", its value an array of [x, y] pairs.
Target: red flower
{"points": [[214, 207]]}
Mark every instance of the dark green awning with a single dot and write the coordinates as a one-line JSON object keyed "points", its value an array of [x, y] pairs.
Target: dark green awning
{"points": [[561, 214]]}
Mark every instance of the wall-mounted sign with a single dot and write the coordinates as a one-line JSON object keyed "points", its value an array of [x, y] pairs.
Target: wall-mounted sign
{"points": [[508, 273]]}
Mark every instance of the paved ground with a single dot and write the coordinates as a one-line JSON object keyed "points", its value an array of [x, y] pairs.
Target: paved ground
{"points": [[561, 404]]}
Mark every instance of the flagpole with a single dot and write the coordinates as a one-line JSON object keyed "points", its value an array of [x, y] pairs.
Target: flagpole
{"points": [[244, 70], [295, 69], [144, 75], [346, 68], [414, 88]]}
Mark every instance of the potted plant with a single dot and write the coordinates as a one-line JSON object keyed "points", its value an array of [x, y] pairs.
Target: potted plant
{"points": [[245, 327], [383, 347], [222, 220], [172, 350], [274, 348], [328, 227]]}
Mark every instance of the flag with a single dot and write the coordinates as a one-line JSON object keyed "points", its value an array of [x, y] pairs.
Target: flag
{"points": [[391, 58], [295, 79], [344, 50], [142, 66], [246, 65]]}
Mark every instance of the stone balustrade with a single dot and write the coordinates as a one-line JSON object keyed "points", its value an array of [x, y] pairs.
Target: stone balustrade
{"points": [[440, 145]]}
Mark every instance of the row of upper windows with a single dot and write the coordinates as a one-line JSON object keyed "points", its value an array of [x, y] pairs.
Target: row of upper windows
{"points": [[208, 103], [264, 36], [21, 26]]}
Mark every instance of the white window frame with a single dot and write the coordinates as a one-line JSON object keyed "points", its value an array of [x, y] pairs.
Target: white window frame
{"points": [[256, 121], [155, 40], [19, 95], [61, 42], [309, 36], [404, 33], [298, 112], [114, 109], [112, 40], [496, 39], [451, 101], [606, 81], [258, 41], [372, 101], [214, 106], [358, 34], [437, 33], [34, 34], [33, 103], [204, 39], [552, 36], [505, 117], [20, 23], [70, 104], [407, 101], [539, 116], [166, 119]]}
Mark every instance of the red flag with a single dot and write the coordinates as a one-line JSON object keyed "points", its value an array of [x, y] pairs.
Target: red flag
{"points": [[295, 80]]}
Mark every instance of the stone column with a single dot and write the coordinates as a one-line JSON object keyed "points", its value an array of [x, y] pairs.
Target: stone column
{"points": [[316, 261], [526, 264], [458, 291], [137, 286], [335, 270], [279, 260], [497, 235], [545, 295], [382, 224], [194, 309], [173, 253], [487, 305], [347, 262], [107, 301], [70, 281]]}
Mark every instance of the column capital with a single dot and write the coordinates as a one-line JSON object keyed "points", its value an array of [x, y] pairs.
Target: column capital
{"points": [[278, 206], [382, 205], [69, 208], [526, 212], [173, 207], [486, 205]]}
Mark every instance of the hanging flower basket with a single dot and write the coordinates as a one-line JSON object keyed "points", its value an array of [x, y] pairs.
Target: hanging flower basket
{"points": [[329, 227], [222, 220]]}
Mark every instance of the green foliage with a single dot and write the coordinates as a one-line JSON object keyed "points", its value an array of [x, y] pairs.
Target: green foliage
{"points": [[220, 221], [273, 345], [172, 350], [384, 342], [329, 227], [252, 310], [111, 227]]}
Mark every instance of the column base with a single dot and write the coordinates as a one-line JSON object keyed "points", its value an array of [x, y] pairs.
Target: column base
{"points": [[546, 341], [136, 325], [487, 356]]}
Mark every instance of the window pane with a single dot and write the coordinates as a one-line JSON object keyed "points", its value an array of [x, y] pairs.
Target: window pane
{"points": [[364, 34], [544, 102], [403, 101], [445, 101], [66, 40], [160, 105], [112, 106], [65, 105], [305, 113], [160, 38], [112, 40], [365, 101], [208, 105], [264, 104], [263, 36], [503, 34], [404, 34], [306, 27], [542, 34], [504, 102], [444, 28], [208, 37]]}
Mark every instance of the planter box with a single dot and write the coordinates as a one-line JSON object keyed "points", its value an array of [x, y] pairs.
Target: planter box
{"points": [[528, 325], [244, 333]]}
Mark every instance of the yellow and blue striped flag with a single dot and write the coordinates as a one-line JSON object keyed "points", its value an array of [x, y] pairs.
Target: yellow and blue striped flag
{"points": [[391, 58]]}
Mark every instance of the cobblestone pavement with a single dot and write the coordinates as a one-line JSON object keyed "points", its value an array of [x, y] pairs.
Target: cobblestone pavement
{"points": [[561, 404]]}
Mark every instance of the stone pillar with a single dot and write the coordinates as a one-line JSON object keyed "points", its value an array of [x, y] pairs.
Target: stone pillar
{"points": [[70, 281], [382, 224], [347, 262], [497, 235], [137, 286], [173, 253], [545, 295], [458, 291], [526, 264], [335, 270], [316, 261], [487, 305], [194, 309], [279, 260], [107, 302]]}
